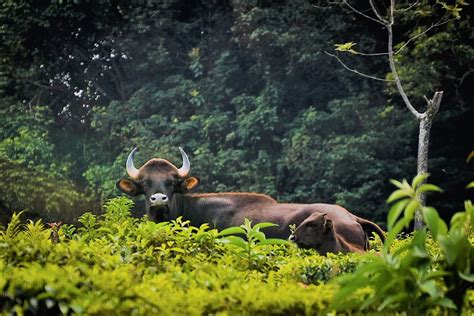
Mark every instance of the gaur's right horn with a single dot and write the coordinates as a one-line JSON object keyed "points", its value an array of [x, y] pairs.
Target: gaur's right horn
{"points": [[131, 170]]}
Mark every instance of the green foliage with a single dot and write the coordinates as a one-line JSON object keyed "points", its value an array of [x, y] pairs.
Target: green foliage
{"points": [[254, 238], [117, 264], [411, 275], [25, 188]]}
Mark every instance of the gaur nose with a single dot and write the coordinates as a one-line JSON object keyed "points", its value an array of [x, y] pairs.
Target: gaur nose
{"points": [[158, 199], [292, 237]]}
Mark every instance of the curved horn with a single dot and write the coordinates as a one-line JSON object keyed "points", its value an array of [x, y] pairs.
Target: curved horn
{"points": [[131, 170], [184, 170]]}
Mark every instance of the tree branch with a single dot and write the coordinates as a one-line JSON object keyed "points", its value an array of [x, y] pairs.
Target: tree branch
{"points": [[391, 60], [408, 8], [433, 104], [422, 33], [377, 14], [354, 70], [361, 13]]}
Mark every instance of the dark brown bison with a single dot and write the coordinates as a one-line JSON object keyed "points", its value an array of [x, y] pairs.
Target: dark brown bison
{"points": [[325, 232], [166, 189]]}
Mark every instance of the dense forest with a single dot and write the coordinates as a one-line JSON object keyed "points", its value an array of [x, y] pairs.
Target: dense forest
{"points": [[245, 87]]}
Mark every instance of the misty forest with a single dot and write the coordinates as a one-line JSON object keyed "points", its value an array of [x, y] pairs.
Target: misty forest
{"points": [[362, 104]]}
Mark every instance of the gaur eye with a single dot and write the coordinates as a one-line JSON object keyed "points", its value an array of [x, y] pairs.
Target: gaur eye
{"points": [[169, 183]]}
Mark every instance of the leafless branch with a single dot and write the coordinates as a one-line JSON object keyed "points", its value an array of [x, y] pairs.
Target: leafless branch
{"points": [[398, 82], [408, 8], [354, 70], [432, 26], [361, 13], [371, 54], [329, 3], [439, 23], [377, 13]]}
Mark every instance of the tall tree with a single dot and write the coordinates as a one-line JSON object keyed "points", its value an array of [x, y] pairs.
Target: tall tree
{"points": [[386, 18]]}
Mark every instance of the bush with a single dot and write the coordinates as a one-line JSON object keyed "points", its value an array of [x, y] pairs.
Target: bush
{"points": [[117, 264]]}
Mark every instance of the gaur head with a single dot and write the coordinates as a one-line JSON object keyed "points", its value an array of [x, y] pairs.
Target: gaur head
{"points": [[315, 232], [158, 180]]}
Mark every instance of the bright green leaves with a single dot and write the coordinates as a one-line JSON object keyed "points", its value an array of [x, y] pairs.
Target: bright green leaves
{"points": [[430, 279], [454, 10], [346, 47], [408, 203], [435, 224], [254, 238]]}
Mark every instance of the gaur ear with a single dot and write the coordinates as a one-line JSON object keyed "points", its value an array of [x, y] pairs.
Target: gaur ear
{"points": [[328, 225], [129, 187], [189, 183]]}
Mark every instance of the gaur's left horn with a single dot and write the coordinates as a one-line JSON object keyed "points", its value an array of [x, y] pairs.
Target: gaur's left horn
{"points": [[131, 170], [184, 170]]}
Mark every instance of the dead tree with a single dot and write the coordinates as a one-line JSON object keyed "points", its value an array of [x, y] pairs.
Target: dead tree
{"points": [[425, 118]]}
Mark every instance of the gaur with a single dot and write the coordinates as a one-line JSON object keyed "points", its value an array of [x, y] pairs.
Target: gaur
{"points": [[325, 233], [166, 189]]}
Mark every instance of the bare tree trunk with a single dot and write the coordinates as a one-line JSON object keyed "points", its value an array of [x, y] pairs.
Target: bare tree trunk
{"points": [[423, 145], [425, 118]]}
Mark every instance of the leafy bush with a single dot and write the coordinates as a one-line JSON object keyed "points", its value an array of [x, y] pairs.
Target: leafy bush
{"points": [[117, 264], [432, 269]]}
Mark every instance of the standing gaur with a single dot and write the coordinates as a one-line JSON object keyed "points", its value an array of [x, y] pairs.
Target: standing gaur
{"points": [[166, 189]]}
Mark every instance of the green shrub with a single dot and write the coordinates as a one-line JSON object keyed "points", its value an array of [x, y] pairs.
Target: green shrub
{"points": [[431, 270], [116, 264]]}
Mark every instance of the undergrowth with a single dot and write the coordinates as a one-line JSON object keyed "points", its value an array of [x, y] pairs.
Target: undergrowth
{"points": [[117, 264]]}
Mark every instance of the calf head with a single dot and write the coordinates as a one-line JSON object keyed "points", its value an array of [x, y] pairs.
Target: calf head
{"points": [[315, 232], [158, 180]]}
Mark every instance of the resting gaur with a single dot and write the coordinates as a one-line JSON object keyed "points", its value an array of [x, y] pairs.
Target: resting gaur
{"points": [[166, 189], [326, 233]]}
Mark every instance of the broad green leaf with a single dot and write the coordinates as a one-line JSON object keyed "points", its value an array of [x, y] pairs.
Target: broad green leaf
{"points": [[257, 235], [449, 248], [419, 178], [264, 225], [467, 277], [457, 220], [431, 288], [231, 231], [273, 241], [176, 249], [236, 241], [429, 188], [398, 194], [470, 185], [396, 183], [395, 212], [394, 232], [446, 302], [435, 224], [436, 274], [406, 185], [412, 206], [395, 297]]}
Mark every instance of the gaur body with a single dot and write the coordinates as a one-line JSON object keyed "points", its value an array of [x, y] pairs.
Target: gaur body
{"points": [[166, 190], [325, 233]]}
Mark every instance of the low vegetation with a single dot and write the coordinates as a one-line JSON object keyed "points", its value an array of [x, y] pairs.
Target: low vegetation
{"points": [[115, 263]]}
